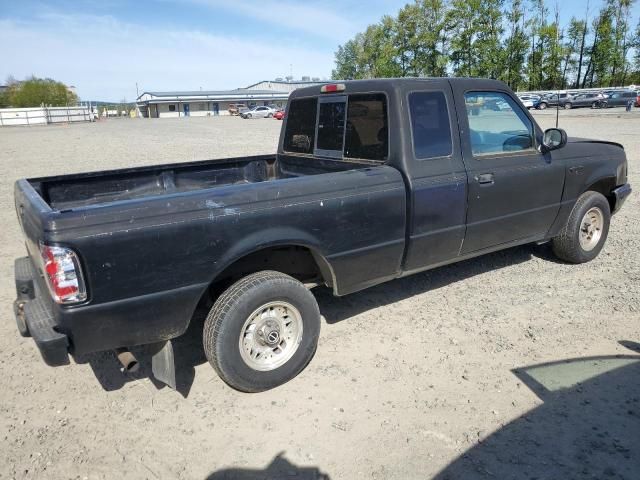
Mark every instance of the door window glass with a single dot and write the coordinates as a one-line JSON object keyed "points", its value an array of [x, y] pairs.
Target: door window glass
{"points": [[497, 124], [430, 124]]}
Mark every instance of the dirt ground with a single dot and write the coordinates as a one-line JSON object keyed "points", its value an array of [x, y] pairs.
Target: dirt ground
{"points": [[428, 376]]}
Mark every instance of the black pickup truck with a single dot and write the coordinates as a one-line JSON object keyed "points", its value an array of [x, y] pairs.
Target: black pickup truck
{"points": [[373, 180]]}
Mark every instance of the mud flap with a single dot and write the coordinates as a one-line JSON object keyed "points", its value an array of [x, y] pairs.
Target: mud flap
{"points": [[163, 365]]}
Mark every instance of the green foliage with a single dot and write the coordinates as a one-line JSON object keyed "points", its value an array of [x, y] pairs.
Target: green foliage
{"points": [[511, 40], [34, 92]]}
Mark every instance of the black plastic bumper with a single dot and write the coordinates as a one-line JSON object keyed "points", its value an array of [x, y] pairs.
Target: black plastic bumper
{"points": [[621, 193], [35, 319]]}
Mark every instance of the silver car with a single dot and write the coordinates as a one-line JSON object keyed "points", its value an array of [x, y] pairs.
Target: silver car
{"points": [[258, 112]]}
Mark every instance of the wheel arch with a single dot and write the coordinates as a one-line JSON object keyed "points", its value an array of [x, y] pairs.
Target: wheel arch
{"points": [[603, 185], [289, 252]]}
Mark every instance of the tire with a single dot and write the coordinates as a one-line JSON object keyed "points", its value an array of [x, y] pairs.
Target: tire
{"points": [[572, 243], [236, 328], [270, 115], [248, 115], [595, 105], [567, 106], [542, 106]]}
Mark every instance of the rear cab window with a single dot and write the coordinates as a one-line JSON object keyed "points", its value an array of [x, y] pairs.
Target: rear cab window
{"points": [[353, 126]]}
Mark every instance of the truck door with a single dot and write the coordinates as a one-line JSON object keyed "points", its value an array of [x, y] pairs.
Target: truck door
{"points": [[437, 178], [514, 191]]}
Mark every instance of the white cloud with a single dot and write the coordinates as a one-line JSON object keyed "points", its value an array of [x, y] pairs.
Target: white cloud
{"points": [[104, 57]]}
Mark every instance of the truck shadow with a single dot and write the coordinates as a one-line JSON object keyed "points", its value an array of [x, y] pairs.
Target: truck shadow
{"points": [[279, 468], [188, 348], [338, 309], [587, 427]]}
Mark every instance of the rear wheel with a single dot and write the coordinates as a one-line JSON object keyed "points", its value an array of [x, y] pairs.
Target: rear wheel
{"points": [[586, 230], [567, 106], [262, 331], [542, 105]]}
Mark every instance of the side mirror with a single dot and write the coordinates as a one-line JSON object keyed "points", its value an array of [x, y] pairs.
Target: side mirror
{"points": [[554, 138]]}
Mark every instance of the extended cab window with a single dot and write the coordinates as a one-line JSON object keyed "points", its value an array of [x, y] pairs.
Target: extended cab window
{"points": [[301, 125], [497, 124], [367, 130], [430, 124]]}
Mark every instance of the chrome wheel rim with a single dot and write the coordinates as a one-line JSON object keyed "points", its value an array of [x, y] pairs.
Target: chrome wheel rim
{"points": [[591, 228], [270, 336]]}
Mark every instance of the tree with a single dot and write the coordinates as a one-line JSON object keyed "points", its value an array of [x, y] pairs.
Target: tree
{"points": [[34, 92], [512, 40], [515, 45]]}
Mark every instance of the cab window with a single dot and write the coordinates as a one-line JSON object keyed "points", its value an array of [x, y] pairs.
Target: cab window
{"points": [[300, 134], [430, 124], [497, 124]]}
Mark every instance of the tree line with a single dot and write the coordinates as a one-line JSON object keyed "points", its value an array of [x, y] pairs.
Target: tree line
{"points": [[34, 92], [524, 43]]}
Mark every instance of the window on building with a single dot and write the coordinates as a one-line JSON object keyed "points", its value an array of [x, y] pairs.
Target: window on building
{"points": [[430, 124], [497, 124], [172, 108], [300, 134], [367, 131]]}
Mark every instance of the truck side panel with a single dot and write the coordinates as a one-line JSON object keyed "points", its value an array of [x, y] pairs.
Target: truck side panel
{"points": [[150, 260]]}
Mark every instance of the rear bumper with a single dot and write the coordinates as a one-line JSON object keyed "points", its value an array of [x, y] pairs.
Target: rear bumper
{"points": [[34, 319], [621, 193]]}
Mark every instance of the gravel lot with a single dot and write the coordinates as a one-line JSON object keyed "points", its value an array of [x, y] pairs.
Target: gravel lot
{"points": [[421, 377]]}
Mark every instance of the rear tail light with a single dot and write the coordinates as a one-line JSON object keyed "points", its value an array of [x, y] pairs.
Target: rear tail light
{"points": [[63, 274]]}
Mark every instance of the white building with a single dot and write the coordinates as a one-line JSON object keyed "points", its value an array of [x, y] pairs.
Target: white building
{"points": [[203, 103]]}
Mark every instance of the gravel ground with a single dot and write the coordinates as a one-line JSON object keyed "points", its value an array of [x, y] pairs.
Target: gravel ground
{"points": [[421, 377]]}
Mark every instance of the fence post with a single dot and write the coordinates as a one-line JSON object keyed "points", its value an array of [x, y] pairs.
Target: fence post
{"points": [[27, 112]]}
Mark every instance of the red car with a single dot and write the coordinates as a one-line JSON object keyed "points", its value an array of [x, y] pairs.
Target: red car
{"points": [[279, 115]]}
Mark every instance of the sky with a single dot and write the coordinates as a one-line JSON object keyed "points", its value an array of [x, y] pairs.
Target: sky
{"points": [[105, 47]]}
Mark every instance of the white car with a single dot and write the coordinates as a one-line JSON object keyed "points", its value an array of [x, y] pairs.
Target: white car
{"points": [[528, 101], [259, 112]]}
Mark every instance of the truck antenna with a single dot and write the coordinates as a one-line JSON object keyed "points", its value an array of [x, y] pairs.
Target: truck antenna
{"points": [[557, 106]]}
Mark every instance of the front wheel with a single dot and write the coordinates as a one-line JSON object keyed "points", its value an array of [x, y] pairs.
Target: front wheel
{"points": [[262, 331], [567, 106], [542, 106], [583, 236]]}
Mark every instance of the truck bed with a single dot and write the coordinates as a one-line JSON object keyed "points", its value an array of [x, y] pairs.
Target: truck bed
{"points": [[70, 192]]}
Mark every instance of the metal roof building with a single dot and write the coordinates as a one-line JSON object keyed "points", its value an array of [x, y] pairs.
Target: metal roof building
{"points": [[205, 103]]}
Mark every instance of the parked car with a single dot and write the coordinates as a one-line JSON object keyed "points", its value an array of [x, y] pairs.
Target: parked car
{"points": [[637, 104], [592, 100], [279, 115], [554, 99], [259, 112], [619, 98], [237, 108], [529, 101], [372, 180]]}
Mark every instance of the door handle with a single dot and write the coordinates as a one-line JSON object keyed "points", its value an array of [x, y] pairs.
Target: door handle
{"points": [[484, 178]]}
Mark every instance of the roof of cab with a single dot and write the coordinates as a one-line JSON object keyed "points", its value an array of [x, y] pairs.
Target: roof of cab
{"points": [[384, 84]]}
